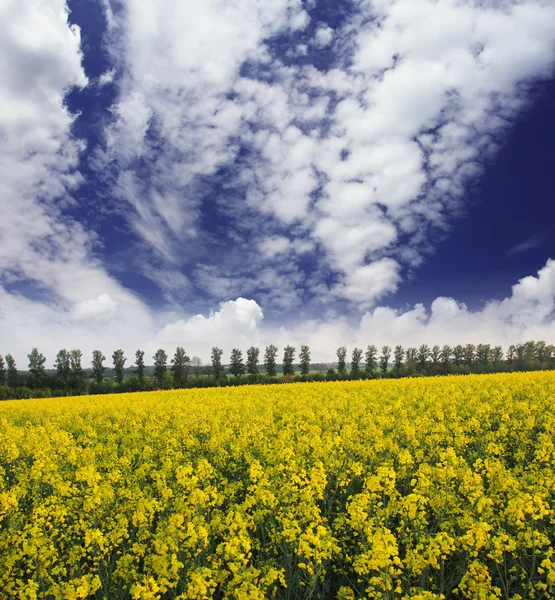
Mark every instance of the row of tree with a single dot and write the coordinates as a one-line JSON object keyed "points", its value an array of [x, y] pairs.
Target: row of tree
{"points": [[71, 378]]}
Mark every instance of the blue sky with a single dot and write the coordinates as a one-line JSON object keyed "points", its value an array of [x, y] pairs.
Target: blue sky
{"points": [[229, 173]]}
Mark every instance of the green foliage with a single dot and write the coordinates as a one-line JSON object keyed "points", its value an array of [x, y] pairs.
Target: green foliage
{"points": [[71, 379], [77, 376], [458, 355], [398, 357], [435, 356], [422, 358], [371, 359], [445, 356], [119, 363], [288, 358], [216, 357], [497, 355], [469, 354], [304, 358], [270, 360], [483, 353], [98, 367], [252, 360], [341, 360], [63, 367], [180, 366], [160, 366], [139, 370], [384, 359], [236, 365], [356, 357], [11, 371], [36, 367]]}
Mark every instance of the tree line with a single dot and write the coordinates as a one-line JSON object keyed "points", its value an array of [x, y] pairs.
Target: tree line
{"points": [[70, 378]]}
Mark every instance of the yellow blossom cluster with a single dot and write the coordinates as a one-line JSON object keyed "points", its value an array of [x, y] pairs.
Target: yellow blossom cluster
{"points": [[417, 489]]}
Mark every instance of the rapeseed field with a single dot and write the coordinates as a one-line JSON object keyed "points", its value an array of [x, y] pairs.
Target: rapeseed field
{"points": [[417, 488]]}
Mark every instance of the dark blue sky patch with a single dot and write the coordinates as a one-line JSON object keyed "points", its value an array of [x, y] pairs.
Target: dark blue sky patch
{"points": [[472, 261], [514, 200]]}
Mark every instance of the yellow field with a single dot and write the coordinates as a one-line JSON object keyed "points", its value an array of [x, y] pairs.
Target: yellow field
{"points": [[424, 488]]}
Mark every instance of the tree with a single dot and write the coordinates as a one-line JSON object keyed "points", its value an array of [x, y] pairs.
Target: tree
{"points": [[216, 357], [468, 354], [140, 365], [497, 355], [304, 358], [36, 367], [356, 357], [384, 359], [11, 370], [98, 367], [196, 363], [549, 355], [160, 366], [483, 354], [422, 357], [435, 355], [77, 374], [288, 358], [445, 356], [410, 356], [236, 365], [119, 364], [370, 359], [541, 351], [398, 357], [458, 355], [253, 355], [62, 365], [529, 350], [179, 361], [511, 354], [2, 371], [270, 360], [341, 360]]}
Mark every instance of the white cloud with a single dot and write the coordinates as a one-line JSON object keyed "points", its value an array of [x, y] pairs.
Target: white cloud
{"points": [[272, 246], [235, 325], [41, 246], [528, 313], [38, 157], [180, 63], [423, 102], [26, 323], [107, 77], [423, 98], [104, 308], [323, 36]]}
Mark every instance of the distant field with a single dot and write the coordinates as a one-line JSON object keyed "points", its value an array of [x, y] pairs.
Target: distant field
{"points": [[414, 488]]}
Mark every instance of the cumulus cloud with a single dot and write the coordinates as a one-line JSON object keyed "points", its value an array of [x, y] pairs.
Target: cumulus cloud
{"points": [[235, 325], [364, 157], [181, 62], [323, 36], [102, 308], [42, 247], [527, 313], [106, 323], [334, 176]]}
